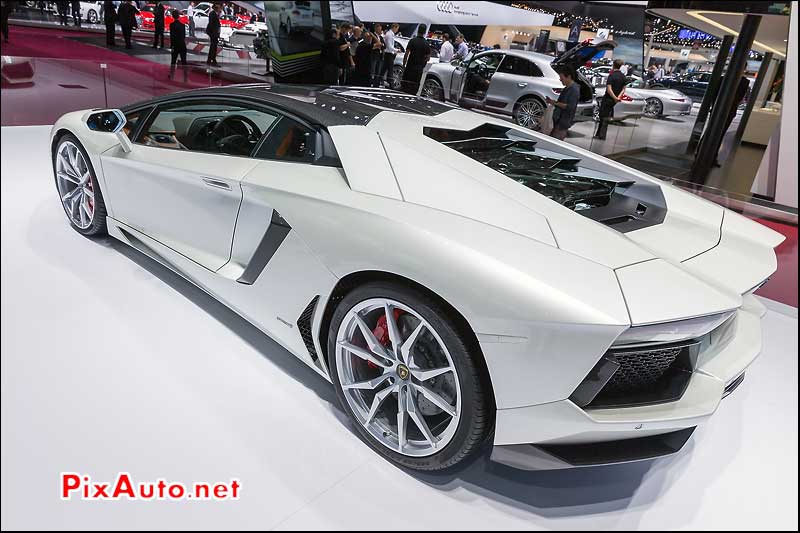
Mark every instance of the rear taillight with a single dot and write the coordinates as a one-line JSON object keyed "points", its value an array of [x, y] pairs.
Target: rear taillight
{"points": [[626, 98], [678, 99], [557, 90], [295, 13]]}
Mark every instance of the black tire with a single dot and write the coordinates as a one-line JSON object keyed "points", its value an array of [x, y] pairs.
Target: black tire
{"points": [[476, 420], [92, 17], [432, 88], [98, 226]]}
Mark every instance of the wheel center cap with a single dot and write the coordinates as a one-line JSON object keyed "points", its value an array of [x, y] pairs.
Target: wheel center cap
{"points": [[403, 372]]}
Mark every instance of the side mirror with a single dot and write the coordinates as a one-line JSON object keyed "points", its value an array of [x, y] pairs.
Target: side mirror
{"points": [[110, 121]]}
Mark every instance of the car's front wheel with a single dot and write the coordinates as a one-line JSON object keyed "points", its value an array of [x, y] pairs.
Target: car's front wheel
{"points": [[407, 377], [92, 17], [529, 112], [78, 188]]}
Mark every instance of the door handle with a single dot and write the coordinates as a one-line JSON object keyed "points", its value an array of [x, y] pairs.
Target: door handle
{"points": [[219, 184], [522, 85]]}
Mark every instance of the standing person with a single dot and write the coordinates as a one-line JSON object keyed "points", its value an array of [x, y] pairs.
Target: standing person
{"points": [[567, 103], [388, 56], [377, 55], [158, 20], [446, 52], [213, 30], [76, 13], [177, 41], [462, 50], [650, 76], [5, 12], [190, 16], [61, 7], [346, 62], [110, 19], [362, 73], [659, 72], [329, 58], [126, 14], [253, 18], [417, 54], [615, 88]]}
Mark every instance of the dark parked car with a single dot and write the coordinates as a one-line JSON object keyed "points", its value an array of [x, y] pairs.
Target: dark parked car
{"points": [[693, 85]]}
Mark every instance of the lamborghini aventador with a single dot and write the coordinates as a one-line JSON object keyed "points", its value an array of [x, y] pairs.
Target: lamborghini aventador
{"points": [[460, 280]]}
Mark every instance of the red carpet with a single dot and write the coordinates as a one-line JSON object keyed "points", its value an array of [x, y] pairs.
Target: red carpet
{"points": [[60, 74], [25, 41]]}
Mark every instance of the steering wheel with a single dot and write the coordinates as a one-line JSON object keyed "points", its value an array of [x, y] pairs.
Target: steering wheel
{"points": [[235, 125]]}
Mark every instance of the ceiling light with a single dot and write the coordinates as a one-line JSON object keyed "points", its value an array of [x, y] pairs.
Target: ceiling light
{"points": [[699, 15]]}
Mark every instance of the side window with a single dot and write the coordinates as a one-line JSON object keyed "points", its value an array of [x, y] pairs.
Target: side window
{"points": [[519, 66], [288, 140], [207, 126], [131, 120]]}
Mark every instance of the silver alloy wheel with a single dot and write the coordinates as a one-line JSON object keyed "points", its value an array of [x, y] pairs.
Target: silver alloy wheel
{"points": [[431, 89], [530, 113], [397, 78], [409, 378], [653, 107], [74, 181]]}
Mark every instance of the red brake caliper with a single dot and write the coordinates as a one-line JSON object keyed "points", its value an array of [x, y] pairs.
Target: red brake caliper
{"points": [[381, 332]]}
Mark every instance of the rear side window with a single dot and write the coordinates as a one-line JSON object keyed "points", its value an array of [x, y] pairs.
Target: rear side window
{"points": [[520, 67], [288, 140]]}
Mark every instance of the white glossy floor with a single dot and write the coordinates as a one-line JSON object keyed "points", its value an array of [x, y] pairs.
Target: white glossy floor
{"points": [[111, 363]]}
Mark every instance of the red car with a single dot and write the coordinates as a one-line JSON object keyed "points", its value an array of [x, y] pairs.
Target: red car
{"points": [[234, 21], [146, 17]]}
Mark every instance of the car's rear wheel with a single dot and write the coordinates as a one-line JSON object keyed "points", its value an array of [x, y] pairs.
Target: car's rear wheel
{"points": [[406, 376], [433, 89], [529, 112], [78, 188], [92, 17], [653, 108]]}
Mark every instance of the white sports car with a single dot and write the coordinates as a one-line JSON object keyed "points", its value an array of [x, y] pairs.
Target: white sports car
{"points": [[458, 279]]}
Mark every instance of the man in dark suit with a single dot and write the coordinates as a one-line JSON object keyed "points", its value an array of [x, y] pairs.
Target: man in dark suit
{"points": [[7, 8], [213, 31], [127, 21], [158, 13], [61, 7], [177, 39], [76, 13], [110, 19]]}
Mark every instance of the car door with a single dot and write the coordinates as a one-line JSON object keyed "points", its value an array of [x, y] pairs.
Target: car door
{"points": [[514, 77], [180, 182], [477, 77]]}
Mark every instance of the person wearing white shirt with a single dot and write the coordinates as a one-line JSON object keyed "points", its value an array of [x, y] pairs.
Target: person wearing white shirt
{"points": [[389, 53], [446, 51], [190, 16]]}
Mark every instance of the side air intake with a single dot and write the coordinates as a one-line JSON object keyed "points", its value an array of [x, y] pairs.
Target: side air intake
{"points": [[304, 326]]}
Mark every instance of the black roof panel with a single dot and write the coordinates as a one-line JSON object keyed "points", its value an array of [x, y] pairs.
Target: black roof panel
{"points": [[326, 106]]}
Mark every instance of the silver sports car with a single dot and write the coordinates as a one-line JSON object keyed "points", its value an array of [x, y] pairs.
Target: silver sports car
{"points": [[660, 101], [459, 280], [511, 82]]}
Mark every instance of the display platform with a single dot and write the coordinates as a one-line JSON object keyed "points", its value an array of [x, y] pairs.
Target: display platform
{"points": [[112, 363]]}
